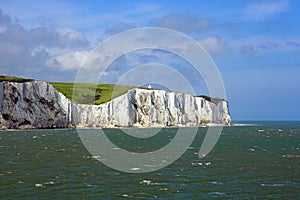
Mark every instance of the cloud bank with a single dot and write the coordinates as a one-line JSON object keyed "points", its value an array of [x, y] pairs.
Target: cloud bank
{"points": [[30, 50], [54, 48]]}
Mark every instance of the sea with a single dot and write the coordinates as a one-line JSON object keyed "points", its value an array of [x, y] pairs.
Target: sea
{"points": [[253, 160]]}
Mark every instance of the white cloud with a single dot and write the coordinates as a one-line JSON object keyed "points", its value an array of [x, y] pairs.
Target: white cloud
{"points": [[28, 51], [88, 60], [215, 45], [262, 9], [67, 61], [69, 36]]}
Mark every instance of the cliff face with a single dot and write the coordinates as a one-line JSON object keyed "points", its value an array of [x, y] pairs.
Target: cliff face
{"points": [[33, 104], [37, 104]]}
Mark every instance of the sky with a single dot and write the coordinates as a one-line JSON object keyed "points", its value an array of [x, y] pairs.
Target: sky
{"points": [[254, 44]]}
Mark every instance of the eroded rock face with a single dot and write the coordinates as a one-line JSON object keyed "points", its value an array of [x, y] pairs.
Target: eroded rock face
{"points": [[33, 104], [37, 104]]}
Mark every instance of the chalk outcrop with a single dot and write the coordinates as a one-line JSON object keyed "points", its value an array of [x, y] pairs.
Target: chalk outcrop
{"points": [[34, 104], [37, 104]]}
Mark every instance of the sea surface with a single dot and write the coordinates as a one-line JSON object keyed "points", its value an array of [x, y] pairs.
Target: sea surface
{"points": [[258, 161]]}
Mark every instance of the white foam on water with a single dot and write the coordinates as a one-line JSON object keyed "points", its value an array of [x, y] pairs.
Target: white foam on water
{"points": [[216, 183], [196, 164], [39, 185], [153, 166], [147, 182], [96, 157], [49, 183], [272, 185], [158, 184], [90, 185], [42, 185], [217, 193], [290, 156], [59, 150], [135, 169]]}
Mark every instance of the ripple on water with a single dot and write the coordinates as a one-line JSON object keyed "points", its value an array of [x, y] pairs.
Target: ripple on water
{"points": [[272, 185], [217, 193], [290, 156], [149, 182], [135, 169], [45, 184], [216, 183], [47, 166], [201, 164]]}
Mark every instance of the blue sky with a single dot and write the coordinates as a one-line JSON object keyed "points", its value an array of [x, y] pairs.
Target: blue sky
{"points": [[255, 44]]}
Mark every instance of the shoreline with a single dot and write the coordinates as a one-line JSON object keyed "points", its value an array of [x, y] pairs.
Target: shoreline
{"points": [[135, 127]]}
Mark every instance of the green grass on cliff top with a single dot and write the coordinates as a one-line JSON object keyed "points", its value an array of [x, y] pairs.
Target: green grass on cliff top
{"points": [[85, 93], [14, 79]]}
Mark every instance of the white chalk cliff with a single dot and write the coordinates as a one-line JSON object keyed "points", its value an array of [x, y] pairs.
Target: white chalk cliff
{"points": [[37, 104]]}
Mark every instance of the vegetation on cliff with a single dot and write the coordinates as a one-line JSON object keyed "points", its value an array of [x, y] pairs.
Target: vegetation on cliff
{"points": [[85, 93], [90, 93], [93, 94], [14, 79]]}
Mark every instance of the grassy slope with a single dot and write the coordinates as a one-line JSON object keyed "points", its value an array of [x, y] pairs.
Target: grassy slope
{"points": [[13, 79], [91, 93], [85, 93]]}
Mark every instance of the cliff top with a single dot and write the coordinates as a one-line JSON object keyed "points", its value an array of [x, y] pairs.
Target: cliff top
{"points": [[93, 94], [13, 79], [90, 93], [86, 93]]}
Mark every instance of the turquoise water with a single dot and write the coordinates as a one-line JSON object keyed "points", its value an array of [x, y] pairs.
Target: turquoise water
{"points": [[248, 162]]}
